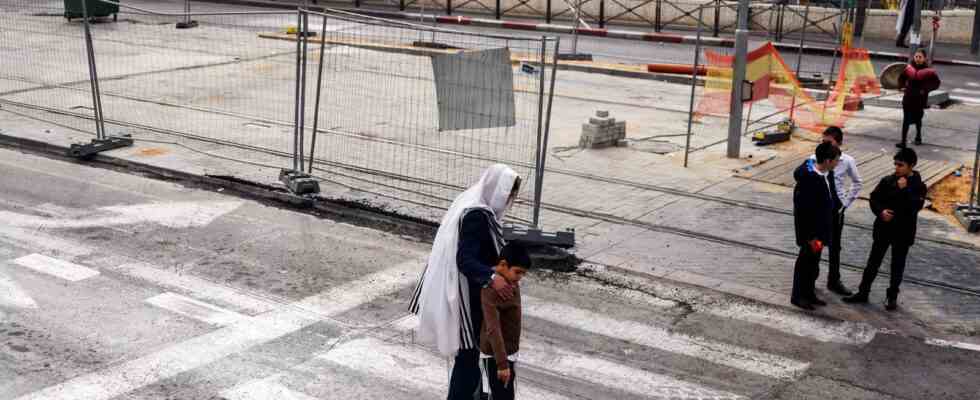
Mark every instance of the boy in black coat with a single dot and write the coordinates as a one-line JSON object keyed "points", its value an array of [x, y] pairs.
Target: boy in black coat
{"points": [[815, 203], [896, 202]]}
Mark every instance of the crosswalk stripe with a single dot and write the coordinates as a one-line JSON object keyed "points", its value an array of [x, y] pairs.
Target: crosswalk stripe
{"points": [[11, 295], [202, 350], [200, 288], [32, 239], [195, 309], [263, 389], [948, 343], [55, 267], [965, 99], [598, 371], [844, 332], [614, 375], [967, 91], [651, 336], [410, 366]]}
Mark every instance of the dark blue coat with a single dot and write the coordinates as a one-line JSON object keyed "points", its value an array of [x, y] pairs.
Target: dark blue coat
{"points": [[814, 205]]}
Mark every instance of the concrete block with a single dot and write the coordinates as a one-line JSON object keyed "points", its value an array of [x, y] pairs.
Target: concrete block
{"points": [[602, 114], [602, 121]]}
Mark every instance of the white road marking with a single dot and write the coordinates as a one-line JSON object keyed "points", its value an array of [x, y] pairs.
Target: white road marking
{"points": [[958, 345], [606, 373], [173, 215], [205, 349], [967, 91], [844, 332], [965, 99], [973, 84], [11, 295], [55, 267], [599, 371], [32, 239], [706, 349], [263, 389], [195, 309], [200, 288], [410, 366]]}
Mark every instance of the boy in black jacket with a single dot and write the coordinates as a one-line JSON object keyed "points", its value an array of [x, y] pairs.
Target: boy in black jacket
{"points": [[896, 202], [815, 203]]}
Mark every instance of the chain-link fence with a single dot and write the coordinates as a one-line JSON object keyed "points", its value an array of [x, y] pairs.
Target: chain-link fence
{"points": [[407, 113]]}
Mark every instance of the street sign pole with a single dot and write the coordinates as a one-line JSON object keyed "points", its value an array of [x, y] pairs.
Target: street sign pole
{"points": [[738, 77]]}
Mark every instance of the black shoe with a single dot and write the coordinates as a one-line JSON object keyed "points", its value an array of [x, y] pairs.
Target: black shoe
{"points": [[803, 304], [838, 288], [900, 145], [891, 304], [817, 302], [857, 298], [918, 141]]}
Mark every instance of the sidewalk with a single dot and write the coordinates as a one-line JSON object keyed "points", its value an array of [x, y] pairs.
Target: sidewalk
{"points": [[946, 54]]}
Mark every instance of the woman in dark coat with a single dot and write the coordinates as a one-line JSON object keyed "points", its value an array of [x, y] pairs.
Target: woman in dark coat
{"points": [[916, 81]]}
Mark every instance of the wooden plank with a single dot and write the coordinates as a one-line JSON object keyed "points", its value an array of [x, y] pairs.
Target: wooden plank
{"points": [[786, 168], [768, 167]]}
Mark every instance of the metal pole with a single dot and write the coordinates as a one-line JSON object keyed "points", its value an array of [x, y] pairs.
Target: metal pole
{"points": [[799, 58], [541, 151], [694, 85], [975, 41], [547, 12], [497, 10], [974, 188], [738, 76], [657, 18], [319, 87], [302, 98], [93, 77], [602, 13], [296, 106], [717, 25], [578, 18]]}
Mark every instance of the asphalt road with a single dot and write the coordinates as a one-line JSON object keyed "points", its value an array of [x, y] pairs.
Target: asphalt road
{"points": [[114, 286]]}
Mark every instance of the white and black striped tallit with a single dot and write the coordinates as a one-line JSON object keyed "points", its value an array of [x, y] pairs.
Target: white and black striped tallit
{"points": [[441, 299]]}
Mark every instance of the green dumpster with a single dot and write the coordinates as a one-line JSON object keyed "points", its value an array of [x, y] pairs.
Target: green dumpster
{"points": [[96, 8]]}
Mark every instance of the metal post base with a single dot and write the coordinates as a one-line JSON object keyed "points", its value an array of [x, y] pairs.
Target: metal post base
{"points": [[299, 183], [530, 236], [89, 150], [187, 25], [969, 217], [575, 57]]}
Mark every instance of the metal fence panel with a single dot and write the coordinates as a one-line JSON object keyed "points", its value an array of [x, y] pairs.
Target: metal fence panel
{"points": [[379, 110]]}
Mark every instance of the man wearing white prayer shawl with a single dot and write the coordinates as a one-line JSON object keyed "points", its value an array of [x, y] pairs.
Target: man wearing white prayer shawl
{"points": [[447, 298]]}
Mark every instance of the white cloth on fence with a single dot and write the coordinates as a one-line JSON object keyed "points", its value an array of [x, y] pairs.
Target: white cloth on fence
{"points": [[441, 299]]}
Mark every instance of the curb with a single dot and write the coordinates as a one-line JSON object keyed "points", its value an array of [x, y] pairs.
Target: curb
{"points": [[655, 37], [320, 207]]}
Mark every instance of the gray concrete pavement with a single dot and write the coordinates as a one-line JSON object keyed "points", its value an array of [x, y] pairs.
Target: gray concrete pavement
{"points": [[183, 304]]}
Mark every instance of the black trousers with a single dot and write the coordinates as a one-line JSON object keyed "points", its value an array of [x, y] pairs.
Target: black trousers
{"points": [[498, 390], [912, 116], [833, 268], [805, 275], [906, 24], [899, 255], [465, 382]]}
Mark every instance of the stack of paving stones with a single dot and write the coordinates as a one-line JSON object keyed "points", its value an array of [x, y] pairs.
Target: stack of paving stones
{"points": [[602, 131]]}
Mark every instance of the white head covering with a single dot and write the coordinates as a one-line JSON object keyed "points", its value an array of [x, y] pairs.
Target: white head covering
{"points": [[442, 299]]}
